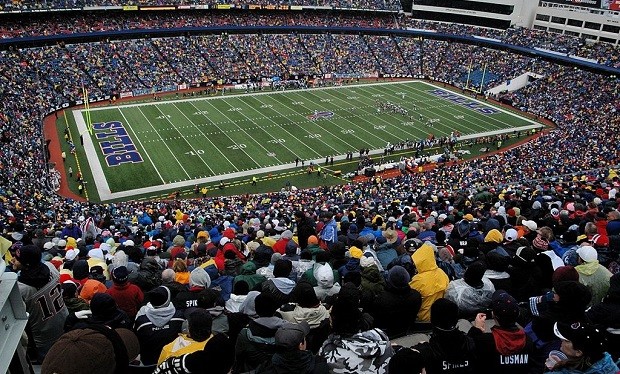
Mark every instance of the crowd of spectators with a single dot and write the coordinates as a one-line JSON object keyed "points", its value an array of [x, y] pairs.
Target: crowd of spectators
{"points": [[88, 22], [555, 196], [525, 278]]}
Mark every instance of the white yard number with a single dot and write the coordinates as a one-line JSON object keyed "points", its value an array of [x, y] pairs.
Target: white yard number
{"points": [[325, 100], [266, 106], [352, 97], [347, 131], [297, 103], [195, 153], [433, 120], [313, 136], [276, 141], [164, 116], [379, 127], [377, 95], [237, 146], [271, 154], [408, 124], [234, 110], [201, 113], [459, 117]]}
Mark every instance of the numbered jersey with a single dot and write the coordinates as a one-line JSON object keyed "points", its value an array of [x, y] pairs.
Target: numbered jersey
{"points": [[46, 310]]}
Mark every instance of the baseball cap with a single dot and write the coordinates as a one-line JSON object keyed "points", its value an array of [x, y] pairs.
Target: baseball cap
{"points": [[411, 245], [531, 225], [505, 307], [586, 338], [291, 335], [120, 274], [587, 253], [511, 235]]}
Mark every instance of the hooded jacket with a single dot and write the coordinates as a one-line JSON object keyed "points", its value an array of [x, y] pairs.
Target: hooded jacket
{"points": [[149, 275], [596, 277], [313, 316], [248, 274], [503, 350], [156, 327], [279, 289], [395, 310], [326, 287], [128, 297], [430, 281], [365, 352], [372, 285], [256, 343]]}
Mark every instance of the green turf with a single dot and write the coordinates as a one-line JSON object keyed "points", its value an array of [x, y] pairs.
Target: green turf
{"points": [[182, 141]]}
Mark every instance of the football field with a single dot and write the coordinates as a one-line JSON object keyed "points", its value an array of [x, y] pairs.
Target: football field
{"points": [[161, 145]]}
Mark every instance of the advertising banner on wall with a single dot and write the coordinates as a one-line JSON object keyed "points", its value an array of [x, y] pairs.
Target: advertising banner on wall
{"points": [[585, 3]]}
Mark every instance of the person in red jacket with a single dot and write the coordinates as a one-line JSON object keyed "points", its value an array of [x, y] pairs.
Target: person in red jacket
{"points": [[128, 296], [280, 245], [220, 259]]}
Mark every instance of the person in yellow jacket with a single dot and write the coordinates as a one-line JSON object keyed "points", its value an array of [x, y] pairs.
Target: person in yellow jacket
{"points": [[430, 281], [199, 325]]}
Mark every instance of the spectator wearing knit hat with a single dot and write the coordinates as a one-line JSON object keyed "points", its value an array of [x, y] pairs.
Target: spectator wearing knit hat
{"points": [[40, 289], [395, 309], [506, 349], [157, 324], [256, 343], [199, 283], [178, 247], [194, 339], [524, 274], [448, 350], [92, 349], [592, 274], [128, 296], [352, 347], [566, 303], [313, 246], [280, 286], [70, 297]]}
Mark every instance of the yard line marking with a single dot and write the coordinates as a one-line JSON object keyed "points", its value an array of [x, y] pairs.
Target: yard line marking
{"points": [[214, 146], [224, 133], [143, 147], [251, 137], [437, 110], [316, 123], [369, 114], [166, 144], [282, 128]]}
